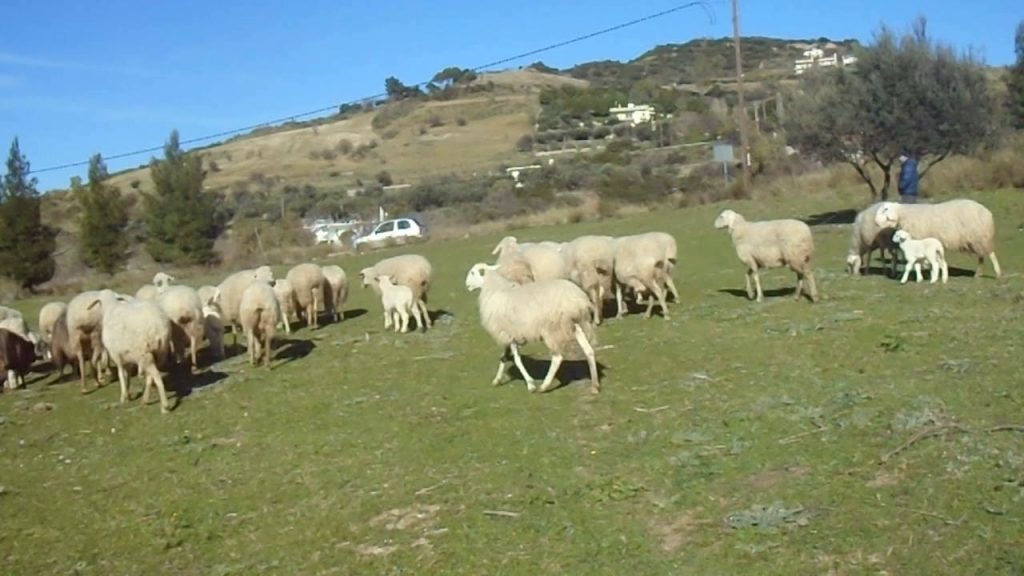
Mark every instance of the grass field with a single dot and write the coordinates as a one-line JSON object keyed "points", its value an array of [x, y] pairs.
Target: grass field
{"points": [[737, 438]]}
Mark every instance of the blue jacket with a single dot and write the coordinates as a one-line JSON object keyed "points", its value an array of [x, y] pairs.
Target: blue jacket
{"points": [[908, 178]]}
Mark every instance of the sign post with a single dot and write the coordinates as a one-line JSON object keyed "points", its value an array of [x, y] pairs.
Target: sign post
{"points": [[723, 153]]}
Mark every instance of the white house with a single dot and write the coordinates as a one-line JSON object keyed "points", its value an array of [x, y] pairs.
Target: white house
{"points": [[816, 57], [633, 113]]}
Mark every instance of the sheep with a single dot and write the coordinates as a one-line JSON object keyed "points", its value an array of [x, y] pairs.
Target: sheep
{"points": [[16, 357], [591, 262], [185, 309], [206, 294], [213, 329], [335, 291], [915, 252], [555, 312], [228, 295], [259, 314], [772, 244], [411, 270], [163, 280], [136, 332], [17, 325], [48, 316], [669, 250], [545, 258], [307, 282], [866, 237], [961, 225], [84, 330], [640, 264], [6, 313], [60, 346], [147, 292], [398, 303], [285, 295]]}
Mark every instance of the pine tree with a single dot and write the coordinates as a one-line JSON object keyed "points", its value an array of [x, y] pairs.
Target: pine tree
{"points": [[104, 217], [26, 244], [1015, 82], [181, 222]]}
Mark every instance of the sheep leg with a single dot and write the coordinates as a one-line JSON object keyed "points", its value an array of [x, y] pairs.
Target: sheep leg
{"points": [[426, 315], [661, 293], [418, 317], [287, 323], [549, 380], [620, 310], [672, 287], [906, 273], [153, 376], [995, 264], [195, 345], [122, 377], [250, 339], [387, 319], [750, 291], [945, 270], [812, 285], [799, 286], [588, 351], [503, 363], [81, 369], [917, 270], [11, 380], [312, 311], [268, 350], [757, 284], [936, 269], [530, 385], [403, 315]]}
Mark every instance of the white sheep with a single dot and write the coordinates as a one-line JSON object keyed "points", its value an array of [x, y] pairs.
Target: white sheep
{"points": [[229, 295], [555, 312], [772, 244], [48, 316], [185, 309], [163, 280], [591, 261], [866, 237], [545, 258], [147, 292], [669, 252], [640, 265], [411, 270], [398, 303], [259, 314], [206, 294], [85, 320], [961, 225], [135, 332], [918, 252], [307, 280], [335, 291], [285, 295]]}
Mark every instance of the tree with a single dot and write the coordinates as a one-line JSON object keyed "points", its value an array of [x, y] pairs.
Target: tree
{"points": [[453, 75], [396, 90], [906, 93], [26, 244], [1015, 82], [103, 219], [181, 219]]}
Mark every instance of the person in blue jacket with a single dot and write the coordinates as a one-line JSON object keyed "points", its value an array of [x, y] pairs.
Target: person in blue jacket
{"points": [[908, 178]]}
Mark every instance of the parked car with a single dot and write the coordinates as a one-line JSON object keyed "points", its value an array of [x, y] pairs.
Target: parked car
{"points": [[394, 231]]}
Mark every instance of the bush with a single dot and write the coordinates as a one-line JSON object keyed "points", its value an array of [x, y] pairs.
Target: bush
{"points": [[435, 121], [343, 147], [525, 143], [460, 121], [384, 178]]}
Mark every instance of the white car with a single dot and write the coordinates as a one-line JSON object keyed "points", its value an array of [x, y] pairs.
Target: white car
{"points": [[396, 231]]}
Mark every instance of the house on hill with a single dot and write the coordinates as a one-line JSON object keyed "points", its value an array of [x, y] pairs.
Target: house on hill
{"points": [[815, 56], [633, 113]]}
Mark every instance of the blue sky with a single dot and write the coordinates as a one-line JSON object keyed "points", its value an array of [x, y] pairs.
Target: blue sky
{"points": [[78, 78]]}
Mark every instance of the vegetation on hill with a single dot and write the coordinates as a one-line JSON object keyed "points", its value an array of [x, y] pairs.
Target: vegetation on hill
{"points": [[26, 243], [103, 220]]}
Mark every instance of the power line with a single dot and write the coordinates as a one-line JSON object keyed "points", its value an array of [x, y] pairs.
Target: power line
{"points": [[696, 3]]}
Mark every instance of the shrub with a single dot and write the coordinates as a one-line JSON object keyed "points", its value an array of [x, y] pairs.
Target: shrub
{"points": [[460, 121], [384, 178], [435, 121], [525, 143]]}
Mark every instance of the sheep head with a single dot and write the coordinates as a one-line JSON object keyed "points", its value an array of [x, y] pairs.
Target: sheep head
{"points": [[900, 236], [382, 278], [367, 276], [852, 263], [507, 243], [887, 215], [727, 219], [264, 273], [163, 279], [475, 277]]}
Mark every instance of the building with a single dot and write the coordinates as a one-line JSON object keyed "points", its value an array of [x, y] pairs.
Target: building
{"points": [[633, 113], [815, 57]]}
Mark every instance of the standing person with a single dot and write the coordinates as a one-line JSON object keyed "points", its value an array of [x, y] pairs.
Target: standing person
{"points": [[908, 178]]}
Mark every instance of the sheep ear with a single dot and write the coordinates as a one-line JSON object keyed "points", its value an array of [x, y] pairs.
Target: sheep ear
{"points": [[92, 304]]}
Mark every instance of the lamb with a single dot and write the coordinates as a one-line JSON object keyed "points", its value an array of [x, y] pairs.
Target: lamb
{"points": [[285, 295], [640, 265], [229, 295], [185, 309], [555, 312], [335, 291], [961, 225], [411, 270], [48, 316], [867, 236], [16, 357], [135, 332], [545, 258], [213, 329], [591, 261], [259, 314], [916, 252], [398, 303], [85, 329], [307, 282], [772, 244]]}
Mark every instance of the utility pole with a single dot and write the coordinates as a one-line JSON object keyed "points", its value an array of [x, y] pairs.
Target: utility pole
{"points": [[744, 137]]}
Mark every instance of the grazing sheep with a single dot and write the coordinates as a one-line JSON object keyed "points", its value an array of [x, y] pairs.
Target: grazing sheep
{"points": [[772, 244], [545, 258], [17, 325], [591, 261], [516, 270], [206, 294], [335, 291], [398, 303], [669, 252], [185, 309], [162, 280], [84, 330], [555, 312], [640, 265], [213, 329], [136, 332], [259, 314], [866, 237], [16, 357], [147, 292], [411, 270], [60, 346], [307, 282], [285, 295], [229, 295], [961, 225], [48, 316], [917, 252]]}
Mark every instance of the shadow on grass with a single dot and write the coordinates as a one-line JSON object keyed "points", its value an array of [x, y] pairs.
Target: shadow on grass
{"points": [[184, 383], [772, 293], [834, 217], [290, 350], [570, 371]]}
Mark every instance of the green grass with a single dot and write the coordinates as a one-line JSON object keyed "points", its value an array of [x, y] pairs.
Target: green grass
{"points": [[379, 453]]}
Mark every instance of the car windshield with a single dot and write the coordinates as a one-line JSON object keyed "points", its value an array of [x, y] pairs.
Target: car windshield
{"points": [[384, 227]]}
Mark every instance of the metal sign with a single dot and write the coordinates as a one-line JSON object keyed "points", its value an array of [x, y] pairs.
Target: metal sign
{"points": [[723, 153]]}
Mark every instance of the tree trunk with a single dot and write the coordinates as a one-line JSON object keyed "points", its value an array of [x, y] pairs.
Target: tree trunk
{"points": [[886, 181]]}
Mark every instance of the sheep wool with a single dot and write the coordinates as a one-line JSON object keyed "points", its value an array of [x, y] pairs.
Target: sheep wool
{"points": [[398, 303], [138, 333], [48, 316], [335, 291], [591, 262], [307, 282], [641, 265], [285, 295], [259, 314], [411, 270], [185, 309]]}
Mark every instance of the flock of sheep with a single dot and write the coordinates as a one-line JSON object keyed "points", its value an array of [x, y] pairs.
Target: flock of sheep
{"points": [[548, 292]]}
